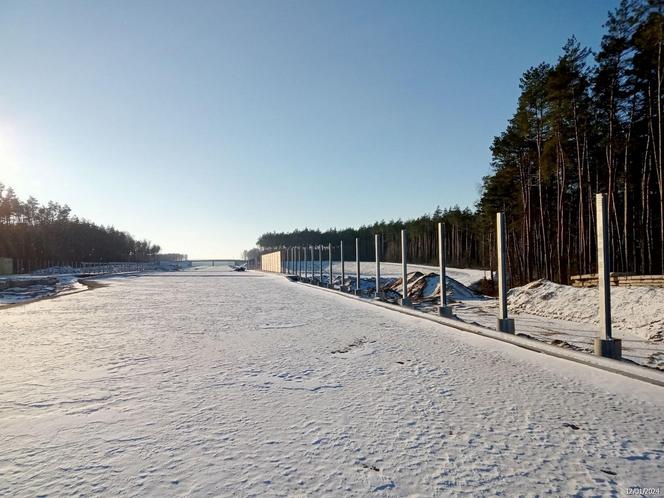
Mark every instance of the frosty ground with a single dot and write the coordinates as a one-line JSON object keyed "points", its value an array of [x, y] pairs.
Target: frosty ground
{"points": [[557, 314], [220, 383]]}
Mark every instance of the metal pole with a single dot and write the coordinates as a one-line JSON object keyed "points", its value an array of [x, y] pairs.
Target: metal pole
{"points": [[329, 268], [605, 345], [377, 241], [320, 263], [505, 324], [404, 270], [306, 263], [357, 264], [343, 269], [313, 265], [443, 309]]}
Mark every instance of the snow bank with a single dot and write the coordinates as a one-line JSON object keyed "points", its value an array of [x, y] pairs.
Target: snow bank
{"points": [[25, 289], [637, 309]]}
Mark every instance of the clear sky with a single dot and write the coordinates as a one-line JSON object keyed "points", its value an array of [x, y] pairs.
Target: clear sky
{"points": [[200, 125]]}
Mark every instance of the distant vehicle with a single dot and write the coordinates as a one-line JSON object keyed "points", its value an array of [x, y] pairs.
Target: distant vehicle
{"points": [[239, 267]]}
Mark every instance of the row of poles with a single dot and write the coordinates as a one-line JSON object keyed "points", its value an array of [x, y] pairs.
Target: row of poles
{"points": [[301, 260], [298, 260]]}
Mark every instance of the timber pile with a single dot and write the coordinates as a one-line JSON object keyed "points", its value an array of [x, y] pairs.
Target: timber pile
{"points": [[417, 283], [619, 280]]}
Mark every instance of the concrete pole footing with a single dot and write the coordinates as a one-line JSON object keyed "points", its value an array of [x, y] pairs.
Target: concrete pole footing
{"points": [[506, 325], [609, 348], [445, 311]]}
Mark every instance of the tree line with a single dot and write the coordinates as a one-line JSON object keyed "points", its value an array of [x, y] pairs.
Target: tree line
{"points": [[34, 232], [589, 123], [464, 246]]}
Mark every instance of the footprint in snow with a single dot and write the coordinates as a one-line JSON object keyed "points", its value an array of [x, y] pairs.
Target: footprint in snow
{"points": [[385, 487], [371, 467]]}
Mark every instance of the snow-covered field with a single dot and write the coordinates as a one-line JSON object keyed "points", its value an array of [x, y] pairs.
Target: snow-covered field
{"points": [[32, 288], [231, 384], [557, 314]]}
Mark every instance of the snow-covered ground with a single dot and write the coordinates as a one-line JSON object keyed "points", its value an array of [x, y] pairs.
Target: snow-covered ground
{"points": [[244, 384], [28, 288], [558, 314], [62, 280], [638, 310]]}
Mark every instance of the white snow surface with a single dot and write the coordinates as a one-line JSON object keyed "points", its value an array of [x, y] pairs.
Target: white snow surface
{"points": [[38, 290], [244, 384], [639, 310]]}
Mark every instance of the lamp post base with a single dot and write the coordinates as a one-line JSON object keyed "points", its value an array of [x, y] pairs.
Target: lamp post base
{"points": [[404, 301], [609, 348], [445, 311], [506, 325]]}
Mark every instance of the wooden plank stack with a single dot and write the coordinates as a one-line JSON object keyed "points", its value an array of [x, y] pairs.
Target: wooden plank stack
{"points": [[620, 280]]}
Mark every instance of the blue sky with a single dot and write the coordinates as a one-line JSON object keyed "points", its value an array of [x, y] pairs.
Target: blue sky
{"points": [[200, 125]]}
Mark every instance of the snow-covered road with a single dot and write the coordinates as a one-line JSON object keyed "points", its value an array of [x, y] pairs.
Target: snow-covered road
{"points": [[230, 384]]}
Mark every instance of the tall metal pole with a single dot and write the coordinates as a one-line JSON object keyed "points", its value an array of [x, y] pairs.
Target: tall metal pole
{"points": [[605, 345], [329, 268], [313, 266], [404, 269], [443, 309], [343, 267], [306, 263], [377, 242], [357, 265], [505, 324], [320, 263]]}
